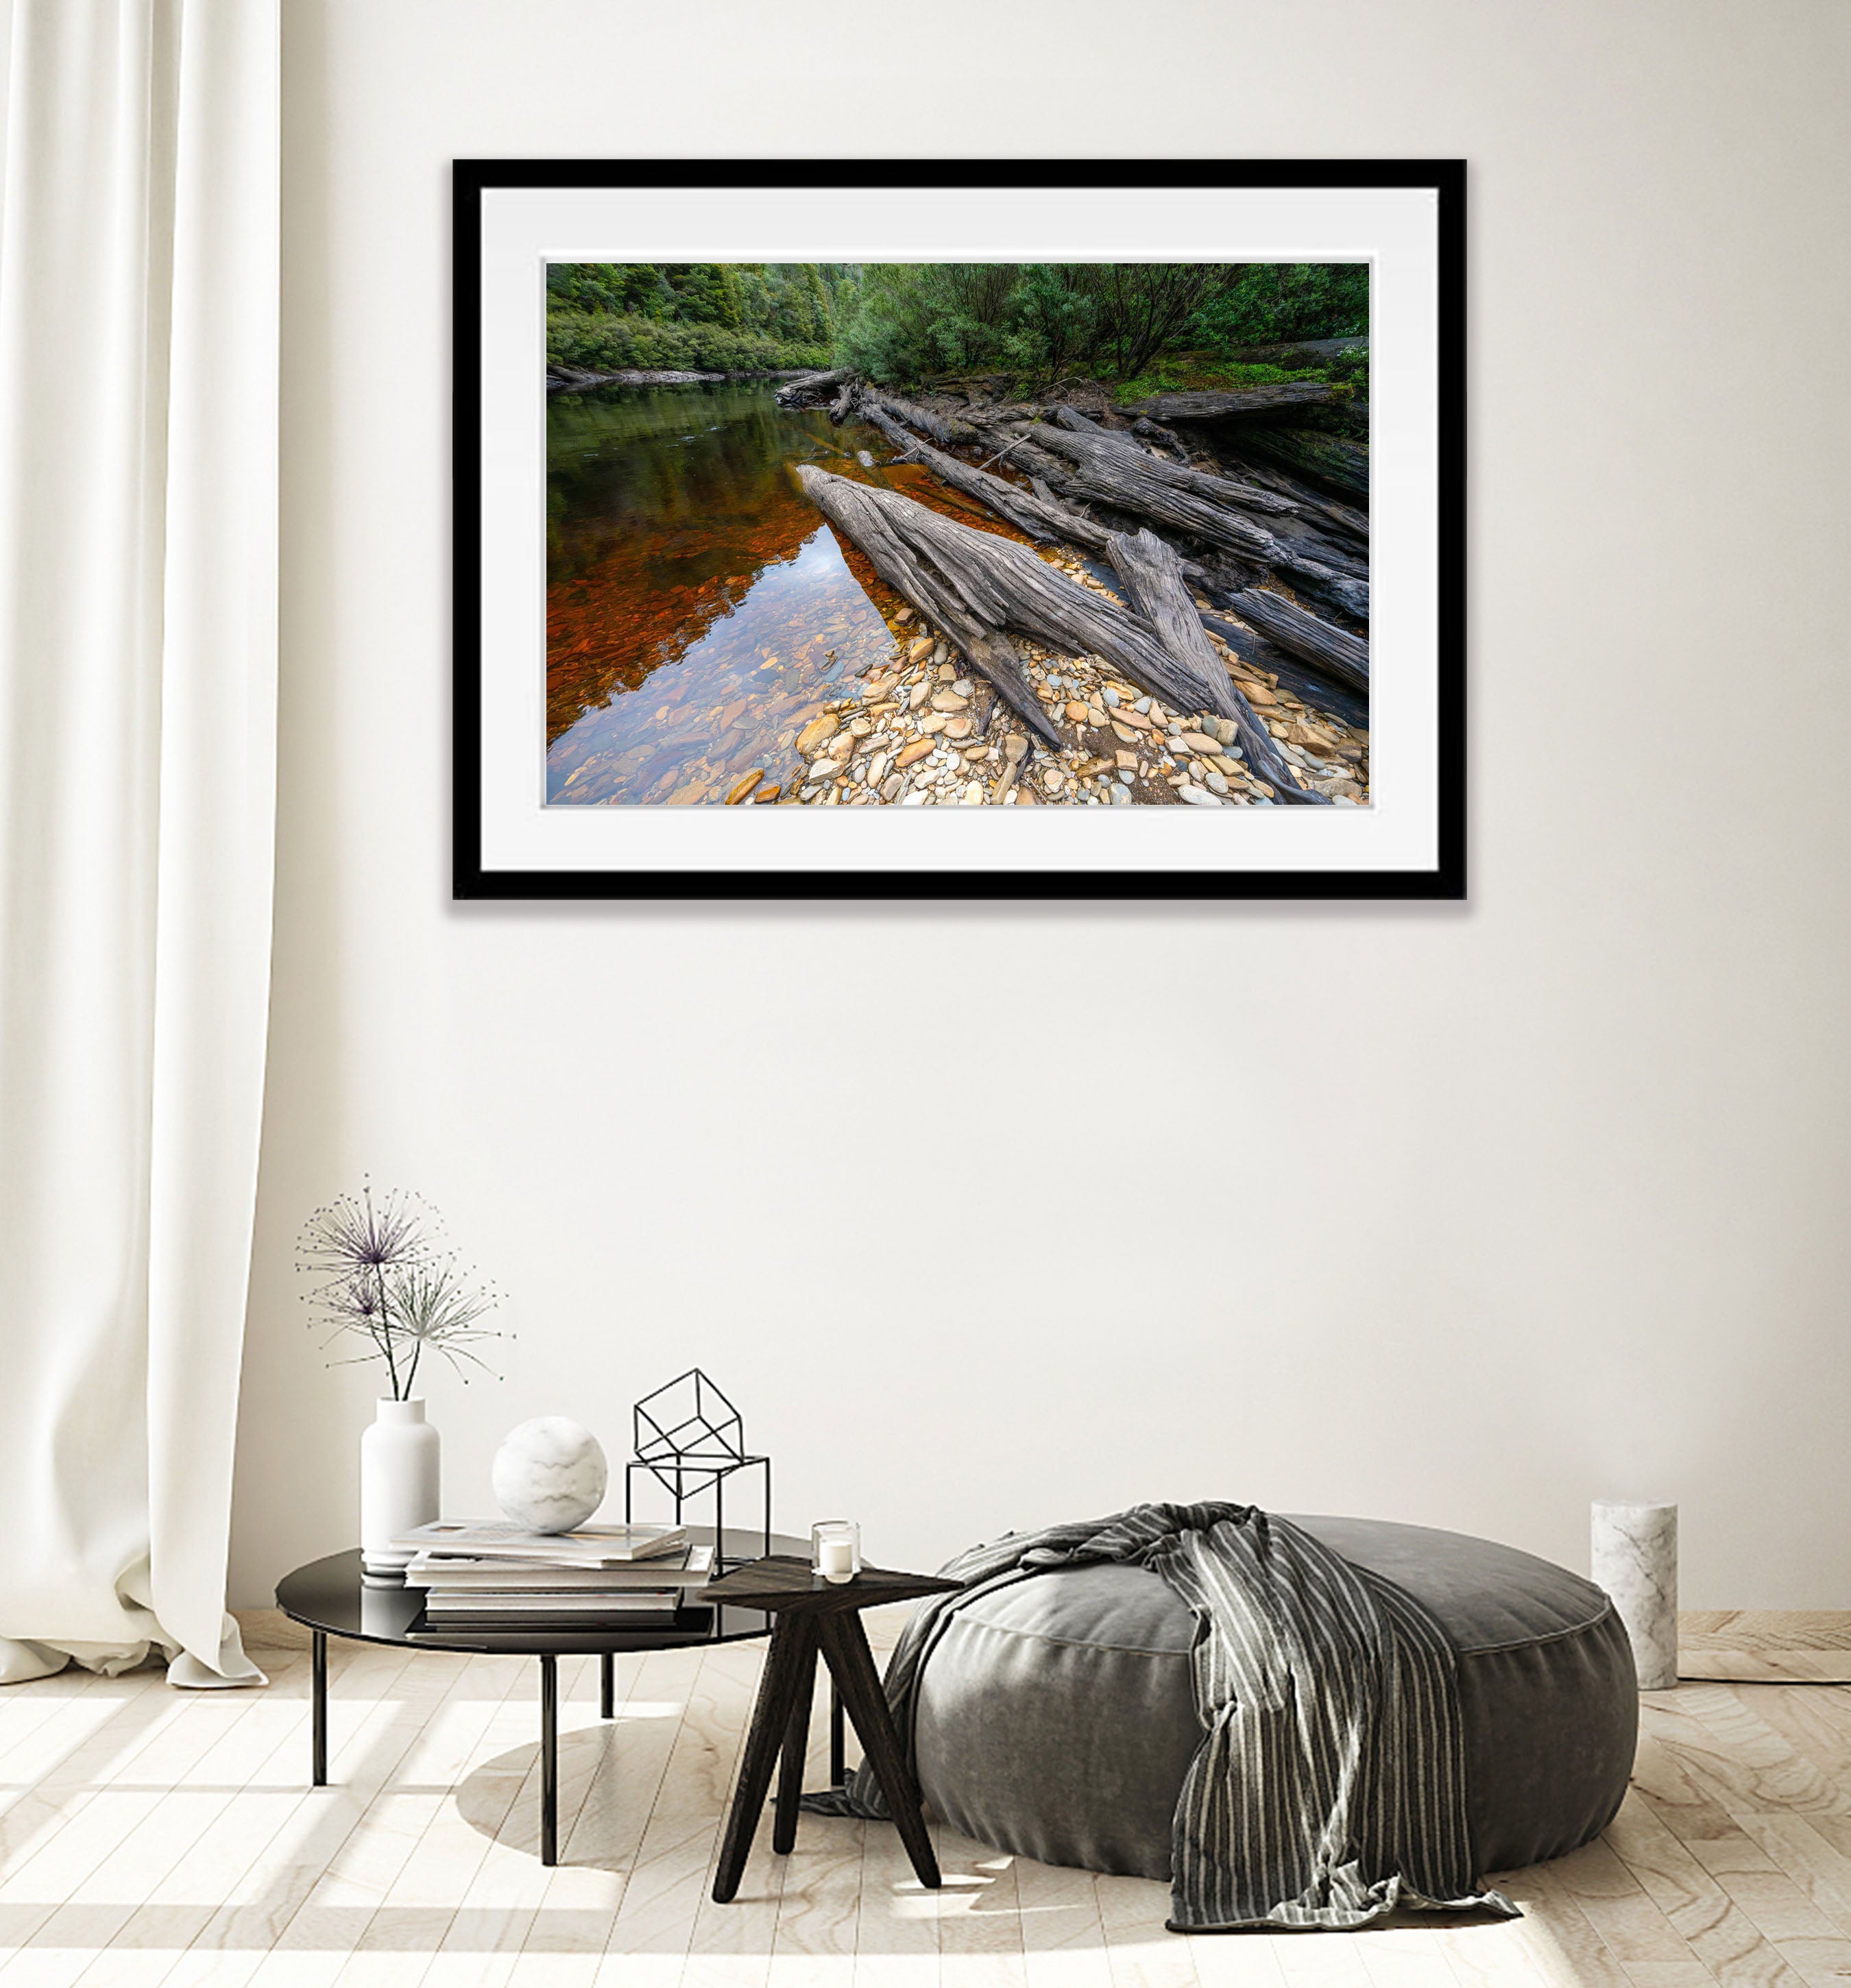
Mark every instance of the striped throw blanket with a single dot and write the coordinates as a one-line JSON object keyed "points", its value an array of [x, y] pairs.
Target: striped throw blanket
{"points": [[1329, 1787]]}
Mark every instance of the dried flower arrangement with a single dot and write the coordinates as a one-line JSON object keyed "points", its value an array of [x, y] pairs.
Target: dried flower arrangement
{"points": [[383, 1274]]}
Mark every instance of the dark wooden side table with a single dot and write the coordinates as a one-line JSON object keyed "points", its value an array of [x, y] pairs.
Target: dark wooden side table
{"points": [[812, 1616]]}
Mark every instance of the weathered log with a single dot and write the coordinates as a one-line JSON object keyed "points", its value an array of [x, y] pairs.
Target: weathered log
{"points": [[1152, 575], [812, 383], [1217, 489], [1160, 437], [1130, 480], [1044, 515], [924, 568], [1235, 403], [1022, 452], [921, 419], [1302, 355], [1293, 676], [1335, 651], [844, 401], [1342, 518], [1328, 460], [1041, 521], [972, 583]]}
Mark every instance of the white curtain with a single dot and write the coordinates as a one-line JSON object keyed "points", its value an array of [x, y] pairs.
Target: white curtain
{"points": [[139, 274]]}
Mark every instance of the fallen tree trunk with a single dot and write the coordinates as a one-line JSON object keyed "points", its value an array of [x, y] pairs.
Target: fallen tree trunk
{"points": [[1152, 575], [1043, 516], [1235, 403], [1300, 355], [1029, 513], [1132, 481], [844, 401], [921, 420], [812, 383], [975, 584], [1216, 489], [1343, 518], [1159, 436], [1339, 465], [1291, 674], [914, 564], [1335, 651]]}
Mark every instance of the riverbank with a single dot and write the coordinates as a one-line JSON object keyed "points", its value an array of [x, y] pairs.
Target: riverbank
{"points": [[573, 380], [922, 732]]}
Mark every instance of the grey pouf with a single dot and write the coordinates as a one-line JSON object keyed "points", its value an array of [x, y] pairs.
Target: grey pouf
{"points": [[1056, 1717]]}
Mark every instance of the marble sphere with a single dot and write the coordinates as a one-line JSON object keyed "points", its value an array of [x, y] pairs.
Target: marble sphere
{"points": [[549, 1474]]}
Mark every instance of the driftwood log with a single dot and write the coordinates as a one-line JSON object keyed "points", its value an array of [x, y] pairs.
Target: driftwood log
{"points": [[977, 586], [924, 567], [793, 390], [844, 401], [1343, 520], [1217, 489], [1152, 575], [1041, 519], [1335, 651], [921, 420], [1043, 516], [1291, 675], [1235, 403], [1125, 477], [1337, 464]]}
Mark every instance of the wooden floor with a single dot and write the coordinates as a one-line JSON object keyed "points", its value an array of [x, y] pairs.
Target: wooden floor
{"points": [[154, 1836]]}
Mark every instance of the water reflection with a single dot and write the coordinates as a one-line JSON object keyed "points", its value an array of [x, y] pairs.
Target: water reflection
{"points": [[698, 609]]}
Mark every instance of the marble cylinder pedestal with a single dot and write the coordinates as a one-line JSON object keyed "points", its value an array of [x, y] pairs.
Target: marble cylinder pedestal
{"points": [[1634, 1557]]}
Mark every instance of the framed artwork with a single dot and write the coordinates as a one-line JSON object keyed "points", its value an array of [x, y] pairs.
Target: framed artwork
{"points": [[892, 529]]}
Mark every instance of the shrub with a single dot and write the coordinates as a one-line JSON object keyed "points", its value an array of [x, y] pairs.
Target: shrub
{"points": [[612, 342]]}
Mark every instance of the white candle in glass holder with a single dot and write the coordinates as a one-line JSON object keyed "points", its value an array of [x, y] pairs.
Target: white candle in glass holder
{"points": [[835, 1549]]}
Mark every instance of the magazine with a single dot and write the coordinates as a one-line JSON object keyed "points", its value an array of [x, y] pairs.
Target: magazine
{"points": [[584, 1546]]}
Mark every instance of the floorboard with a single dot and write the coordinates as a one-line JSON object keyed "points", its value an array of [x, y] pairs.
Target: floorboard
{"points": [[158, 1839]]}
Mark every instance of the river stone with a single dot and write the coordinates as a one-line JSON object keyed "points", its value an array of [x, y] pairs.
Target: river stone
{"points": [[548, 1474], [816, 732]]}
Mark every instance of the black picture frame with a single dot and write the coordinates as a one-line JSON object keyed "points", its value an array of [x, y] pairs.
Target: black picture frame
{"points": [[1445, 879]]}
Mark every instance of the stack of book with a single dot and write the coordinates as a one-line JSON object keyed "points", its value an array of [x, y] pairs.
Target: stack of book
{"points": [[482, 1573]]}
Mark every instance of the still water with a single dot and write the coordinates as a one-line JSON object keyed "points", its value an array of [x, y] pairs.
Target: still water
{"points": [[699, 610]]}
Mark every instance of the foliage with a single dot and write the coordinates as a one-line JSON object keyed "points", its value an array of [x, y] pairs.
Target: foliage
{"points": [[694, 316], [1273, 303], [382, 1274], [901, 322], [1040, 319], [1186, 372]]}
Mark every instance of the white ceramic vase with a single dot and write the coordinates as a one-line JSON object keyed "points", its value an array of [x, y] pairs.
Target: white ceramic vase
{"points": [[400, 1470]]}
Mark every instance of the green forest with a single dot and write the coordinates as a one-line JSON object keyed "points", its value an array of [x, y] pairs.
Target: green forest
{"points": [[1144, 326]]}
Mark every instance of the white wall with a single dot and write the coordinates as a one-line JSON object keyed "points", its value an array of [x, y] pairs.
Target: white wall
{"points": [[994, 1216]]}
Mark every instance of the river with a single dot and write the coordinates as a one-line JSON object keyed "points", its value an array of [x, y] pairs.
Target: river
{"points": [[698, 609]]}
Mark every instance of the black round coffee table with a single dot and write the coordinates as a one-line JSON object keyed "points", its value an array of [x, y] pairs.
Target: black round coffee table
{"points": [[333, 1597]]}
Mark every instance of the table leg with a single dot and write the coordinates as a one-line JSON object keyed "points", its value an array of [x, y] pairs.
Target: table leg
{"points": [[796, 1744], [549, 1758], [770, 1720], [845, 1649], [838, 1750], [606, 1685], [318, 1710]]}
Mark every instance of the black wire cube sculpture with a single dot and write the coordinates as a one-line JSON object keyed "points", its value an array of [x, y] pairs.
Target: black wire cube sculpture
{"points": [[691, 1439]]}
